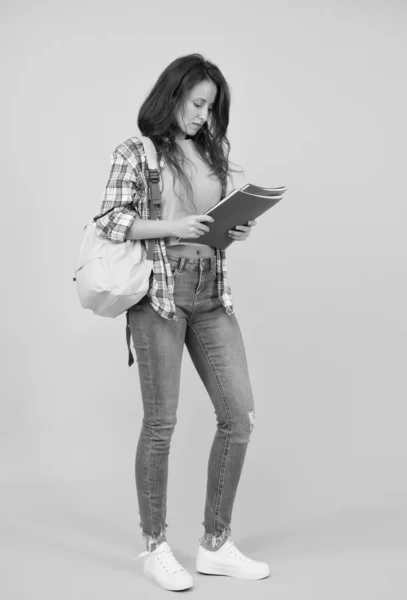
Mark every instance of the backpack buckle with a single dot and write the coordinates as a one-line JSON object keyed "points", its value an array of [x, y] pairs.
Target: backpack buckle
{"points": [[154, 176]]}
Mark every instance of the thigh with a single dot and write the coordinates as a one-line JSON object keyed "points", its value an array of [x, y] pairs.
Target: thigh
{"points": [[158, 344], [216, 347]]}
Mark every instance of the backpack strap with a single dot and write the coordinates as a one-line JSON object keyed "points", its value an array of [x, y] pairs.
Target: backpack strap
{"points": [[154, 182], [155, 202]]}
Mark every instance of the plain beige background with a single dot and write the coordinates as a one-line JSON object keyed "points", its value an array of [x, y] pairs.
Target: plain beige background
{"points": [[318, 104]]}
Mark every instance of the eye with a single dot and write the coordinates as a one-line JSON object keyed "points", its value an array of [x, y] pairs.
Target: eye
{"points": [[200, 106]]}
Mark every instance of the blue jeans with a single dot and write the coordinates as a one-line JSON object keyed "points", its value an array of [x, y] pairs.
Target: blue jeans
{"points": [[215, 344]]}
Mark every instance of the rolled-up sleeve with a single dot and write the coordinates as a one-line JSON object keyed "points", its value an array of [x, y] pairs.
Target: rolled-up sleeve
{"points": [[122, 194]]}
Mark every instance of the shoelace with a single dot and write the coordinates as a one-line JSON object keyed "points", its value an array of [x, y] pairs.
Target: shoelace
{"points": [[166, 558], [233, 550]]}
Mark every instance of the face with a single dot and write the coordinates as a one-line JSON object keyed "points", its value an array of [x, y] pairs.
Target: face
{"points": [[197, 108]]}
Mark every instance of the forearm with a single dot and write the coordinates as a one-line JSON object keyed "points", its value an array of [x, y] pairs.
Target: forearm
{"points": [[145, 229]]}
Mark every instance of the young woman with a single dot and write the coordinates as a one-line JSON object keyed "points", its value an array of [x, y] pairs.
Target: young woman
{"points": [[186, 115]]}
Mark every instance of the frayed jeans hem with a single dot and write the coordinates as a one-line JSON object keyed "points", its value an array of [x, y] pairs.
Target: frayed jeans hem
{"points": [[152, 539], [215, 539]]}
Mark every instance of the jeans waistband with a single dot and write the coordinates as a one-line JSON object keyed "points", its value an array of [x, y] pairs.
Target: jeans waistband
{"points": [[192, 264]]}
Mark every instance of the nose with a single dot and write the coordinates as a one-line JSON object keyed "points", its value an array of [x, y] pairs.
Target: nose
{"points": [[204, 114]]}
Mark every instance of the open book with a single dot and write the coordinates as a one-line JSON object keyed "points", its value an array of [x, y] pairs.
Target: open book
{"points": [[237, 208]]}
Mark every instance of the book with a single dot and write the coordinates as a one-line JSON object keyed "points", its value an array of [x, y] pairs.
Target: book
{"points": [[237, 208]]}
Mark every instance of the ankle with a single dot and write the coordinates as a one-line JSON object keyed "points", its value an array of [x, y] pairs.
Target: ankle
{"points": [[154, 544], [208, 545]]}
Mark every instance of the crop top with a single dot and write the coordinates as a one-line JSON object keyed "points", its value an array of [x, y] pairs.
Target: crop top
{"points": [[207, 190]]}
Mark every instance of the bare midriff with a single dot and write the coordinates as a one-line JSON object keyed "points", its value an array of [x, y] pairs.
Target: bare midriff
{"points": [[190, 251]]}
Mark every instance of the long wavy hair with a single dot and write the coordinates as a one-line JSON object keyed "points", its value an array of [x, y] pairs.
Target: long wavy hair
{"points": [[157, 118]]}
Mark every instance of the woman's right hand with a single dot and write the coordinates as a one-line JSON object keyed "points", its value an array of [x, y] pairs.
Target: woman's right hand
{"points": [[191, 226]]}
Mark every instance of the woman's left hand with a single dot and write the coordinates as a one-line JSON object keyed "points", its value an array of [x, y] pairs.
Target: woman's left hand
{"points": [[241, 232]]}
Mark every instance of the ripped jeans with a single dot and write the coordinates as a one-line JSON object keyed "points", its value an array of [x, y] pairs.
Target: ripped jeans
{"points": [[215, 344]]}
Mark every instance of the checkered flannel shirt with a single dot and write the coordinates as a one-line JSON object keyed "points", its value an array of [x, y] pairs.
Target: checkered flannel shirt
{"points": [[127, 192]]}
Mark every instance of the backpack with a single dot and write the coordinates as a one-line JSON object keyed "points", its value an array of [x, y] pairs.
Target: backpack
{"points": [[112, 277]]}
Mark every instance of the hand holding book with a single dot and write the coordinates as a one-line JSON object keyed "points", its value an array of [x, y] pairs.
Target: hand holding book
{"points": [[241, 232], [191, 226], [236, 209]]}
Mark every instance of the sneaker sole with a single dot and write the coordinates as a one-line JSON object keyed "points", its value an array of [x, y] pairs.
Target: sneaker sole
{"points": [[172, 588], [230, 572]]}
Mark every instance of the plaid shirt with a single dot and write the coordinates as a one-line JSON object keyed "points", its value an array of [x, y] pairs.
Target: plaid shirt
{"points": [[127, 192]]}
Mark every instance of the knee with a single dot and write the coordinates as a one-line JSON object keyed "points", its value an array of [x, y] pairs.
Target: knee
{"points": [[243, 426], [160, 429], [252, 417]]}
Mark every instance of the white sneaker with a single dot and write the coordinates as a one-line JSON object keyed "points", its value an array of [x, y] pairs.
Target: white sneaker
{"points": [[162, 566], [228, 560]]}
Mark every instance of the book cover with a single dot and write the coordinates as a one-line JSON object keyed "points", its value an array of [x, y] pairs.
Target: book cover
{"points": [[237, 208]]}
